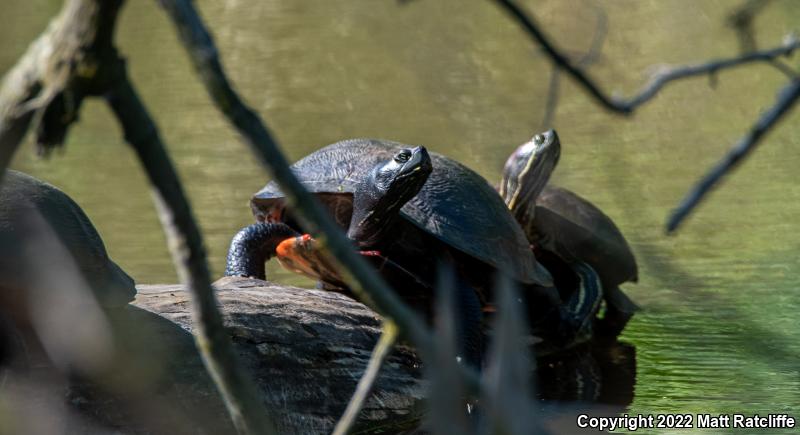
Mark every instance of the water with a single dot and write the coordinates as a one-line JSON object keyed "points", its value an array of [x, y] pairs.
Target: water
{"points": [[719, 332]]}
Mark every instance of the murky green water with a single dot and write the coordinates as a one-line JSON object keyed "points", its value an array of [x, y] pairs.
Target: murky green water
{"points": [[719, 332]]}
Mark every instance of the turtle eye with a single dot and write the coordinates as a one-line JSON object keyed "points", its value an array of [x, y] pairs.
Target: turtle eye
{"points": [[539, 139], [402, 156]]}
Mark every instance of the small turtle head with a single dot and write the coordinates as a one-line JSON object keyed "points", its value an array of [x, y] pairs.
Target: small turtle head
{"points": [[528, 169], [383, 192]]}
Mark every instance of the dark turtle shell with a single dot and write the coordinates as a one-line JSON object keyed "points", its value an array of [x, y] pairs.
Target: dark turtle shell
{"points": [[455, 205], [575, 229], [26, 204]]}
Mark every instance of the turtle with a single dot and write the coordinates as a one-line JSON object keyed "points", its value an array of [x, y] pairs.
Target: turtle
{"points": [[376, 223], [455, 214], [23, 196], [33, 216], [490, 235], [566, 228]]}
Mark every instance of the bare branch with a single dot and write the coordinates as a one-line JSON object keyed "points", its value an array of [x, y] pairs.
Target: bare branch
{"points": [[786, 99], [588, 58], [59, 68], [76, 58], [741, 20], [598, 39], [668, 74], [656, 83], [188, 253], [558, 58], [553, 92], [365, 282]]}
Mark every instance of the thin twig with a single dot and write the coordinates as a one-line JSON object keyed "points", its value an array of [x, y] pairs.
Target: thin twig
{"points": [[786, 100], [656, 83], [588, 58], [553, 92], [741, 20], [669, 74], [382, 350], [558, 58], [785, 69], [366, 282]]}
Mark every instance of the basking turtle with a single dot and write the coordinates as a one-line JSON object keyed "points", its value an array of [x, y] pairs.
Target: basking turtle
{"points": [[452, 191], [376, 224], [564, 227], [455, 215], [26, 204], [455, 207]]}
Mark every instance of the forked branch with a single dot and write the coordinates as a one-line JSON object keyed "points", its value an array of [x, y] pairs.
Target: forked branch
{"points": [[669, 74], [656, 82]]}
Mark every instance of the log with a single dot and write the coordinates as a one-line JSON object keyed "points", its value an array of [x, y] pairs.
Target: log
{"points": [[305, 350]]}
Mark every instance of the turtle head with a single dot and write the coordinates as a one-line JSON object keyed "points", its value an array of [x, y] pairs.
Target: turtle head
{"points": [[381, 194], [528, 169]]}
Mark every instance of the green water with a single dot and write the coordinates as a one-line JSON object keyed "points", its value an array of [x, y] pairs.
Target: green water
{"points": [[719, 332]]}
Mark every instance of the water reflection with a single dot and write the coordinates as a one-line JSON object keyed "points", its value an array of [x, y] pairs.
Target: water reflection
{"points": [[599, 373]]}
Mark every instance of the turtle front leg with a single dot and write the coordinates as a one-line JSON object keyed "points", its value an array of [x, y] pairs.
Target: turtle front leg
{"points": [[583, 305], [253, 245], [564, 324], [580, 310]]}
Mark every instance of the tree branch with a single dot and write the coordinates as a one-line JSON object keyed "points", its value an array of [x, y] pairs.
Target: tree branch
{"points": [[742, 22], [76, 58], [656, 83], [188, 253], [669, 74], [365, 281], [60, 68], [588, 58], [787, 97]]}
